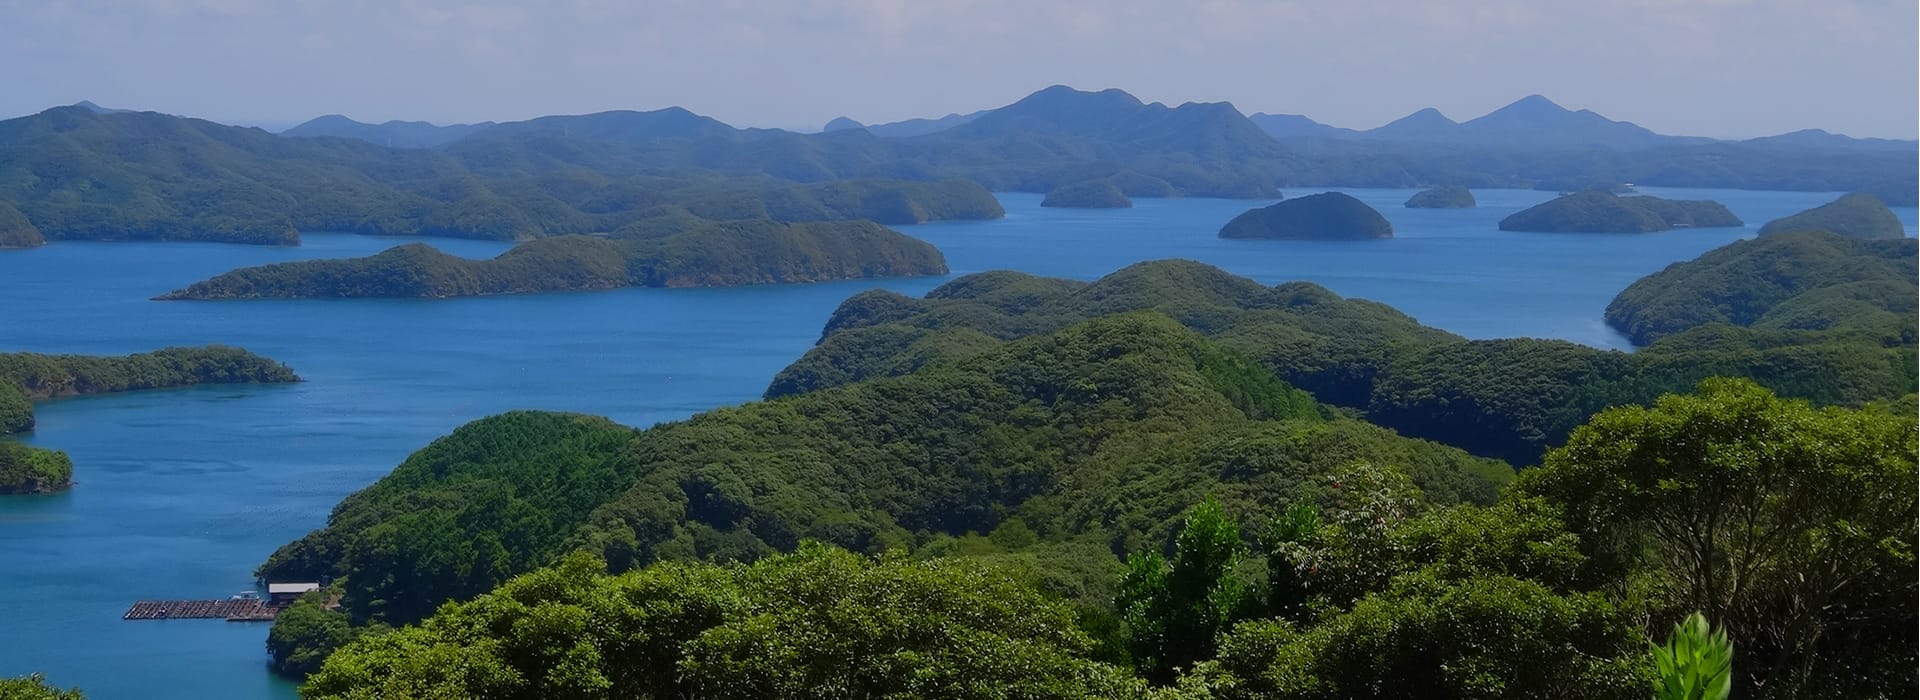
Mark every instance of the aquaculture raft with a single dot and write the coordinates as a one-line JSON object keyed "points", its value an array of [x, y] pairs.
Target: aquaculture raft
{"points": [[232, 610]]}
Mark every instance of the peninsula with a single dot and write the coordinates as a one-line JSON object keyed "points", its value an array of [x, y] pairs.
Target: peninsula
{"points": [[674, 250], [26, 377]]}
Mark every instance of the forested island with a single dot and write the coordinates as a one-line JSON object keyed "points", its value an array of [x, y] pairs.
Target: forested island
{"points": [[1328, 216], [25, 469], [26, 377], [1442, 197], [80, 172], [671, 250], [1595, 211], [1858, 215], [1091, 194]]}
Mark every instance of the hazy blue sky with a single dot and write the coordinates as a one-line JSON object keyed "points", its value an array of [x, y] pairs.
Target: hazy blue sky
{"points": [[1729, 68]]}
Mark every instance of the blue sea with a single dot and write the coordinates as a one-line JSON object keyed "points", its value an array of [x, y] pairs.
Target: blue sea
{"points": [[180, 493]]}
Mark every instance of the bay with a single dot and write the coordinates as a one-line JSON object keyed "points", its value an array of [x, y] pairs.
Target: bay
{"points": [[180, 493]]}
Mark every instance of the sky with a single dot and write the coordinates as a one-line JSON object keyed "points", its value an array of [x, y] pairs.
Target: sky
{"points": [[1722, 68]]}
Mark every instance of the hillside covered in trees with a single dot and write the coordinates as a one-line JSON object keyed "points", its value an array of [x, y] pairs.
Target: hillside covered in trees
{"points": [[1858, 215], [1328, 577], [1780, 284], [1507, 398], [79, 174], [1093, 440], [664, 252], [26, 377]]}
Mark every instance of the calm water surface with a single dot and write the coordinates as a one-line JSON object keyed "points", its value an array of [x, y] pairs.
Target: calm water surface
{"points": [[182, 492]]}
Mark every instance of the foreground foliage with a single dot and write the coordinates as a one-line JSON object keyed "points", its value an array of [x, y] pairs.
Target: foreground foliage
{"points": [[819, 623], [1695, 664], [1794, 523], [34, 687], [1792, 526]]}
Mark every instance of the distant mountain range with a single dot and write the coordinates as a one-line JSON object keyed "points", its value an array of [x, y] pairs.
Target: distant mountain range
{"points": [[1536, 123], [84, 171], [922, 127], [1532, 123], [395, 134]]}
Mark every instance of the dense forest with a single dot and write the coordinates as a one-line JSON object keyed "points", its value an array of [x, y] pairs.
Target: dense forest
{"points": [[25, 377], [671, 250], [1597, 211], [81, 173], [1509, 398], [1087, 442], [1352, 582], [1780, 284]]}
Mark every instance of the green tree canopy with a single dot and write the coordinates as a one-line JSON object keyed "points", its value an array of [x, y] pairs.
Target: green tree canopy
{"points": [[1793, 526], [819, 623], [34, 687], [1174, 612]]}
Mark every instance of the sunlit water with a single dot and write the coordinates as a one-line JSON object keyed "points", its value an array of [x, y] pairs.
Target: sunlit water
{"points": [[181, 493]]}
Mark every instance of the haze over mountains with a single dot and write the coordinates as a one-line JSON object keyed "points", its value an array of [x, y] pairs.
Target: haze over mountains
{"points": [[85, 172], [1532, 122], [395, 133]]}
